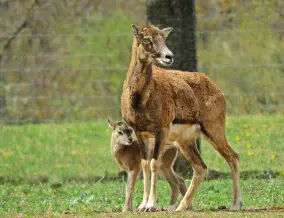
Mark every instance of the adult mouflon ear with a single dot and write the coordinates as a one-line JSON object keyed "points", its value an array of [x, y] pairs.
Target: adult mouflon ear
{"points": [[136, 30], [110, 123], [167, 31]]}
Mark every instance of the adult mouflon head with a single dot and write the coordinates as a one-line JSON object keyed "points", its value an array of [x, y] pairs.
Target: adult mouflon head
{"points": [[151, 42], [122, 133]]}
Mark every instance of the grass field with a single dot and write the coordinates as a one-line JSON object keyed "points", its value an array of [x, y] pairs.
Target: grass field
{"points": [[80, 151], [35, 159], [96, 198]]}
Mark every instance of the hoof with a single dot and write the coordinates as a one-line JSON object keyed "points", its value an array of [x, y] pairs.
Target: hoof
{"points": [[237, 206], [179, 209], [183, 208], [151, 209], [126, 208], [171, 208], [234, 208], [142, 206], [141, 209]]}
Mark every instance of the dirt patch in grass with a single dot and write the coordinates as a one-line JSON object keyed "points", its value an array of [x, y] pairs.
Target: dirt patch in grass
{"points": [[250, 212]]}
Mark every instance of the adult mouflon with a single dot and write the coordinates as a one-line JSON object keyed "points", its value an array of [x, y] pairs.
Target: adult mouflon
{"points": [[155, 101]]}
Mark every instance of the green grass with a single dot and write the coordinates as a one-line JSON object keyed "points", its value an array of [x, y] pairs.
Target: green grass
{"points": [[97, 198], [258, 140], [80, 151], [75, 155], [55, 151]]}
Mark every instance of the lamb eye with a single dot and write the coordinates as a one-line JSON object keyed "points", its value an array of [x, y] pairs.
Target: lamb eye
{"points": [[120, 133]]}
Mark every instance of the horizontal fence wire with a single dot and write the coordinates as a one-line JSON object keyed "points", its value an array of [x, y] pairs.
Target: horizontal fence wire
{"points": [[90, 35], [216, 66], [77, 74]]}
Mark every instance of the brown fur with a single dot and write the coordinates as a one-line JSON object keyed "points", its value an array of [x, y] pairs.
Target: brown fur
{"points": [[153, 99], [128, 158]]}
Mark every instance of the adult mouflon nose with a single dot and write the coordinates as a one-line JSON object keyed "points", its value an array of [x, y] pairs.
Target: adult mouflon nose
{"points": [[168, 54], [170, 57]]}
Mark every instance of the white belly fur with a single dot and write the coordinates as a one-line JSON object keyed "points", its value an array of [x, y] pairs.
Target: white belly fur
{"points": [[184, 132], [180, 132]]}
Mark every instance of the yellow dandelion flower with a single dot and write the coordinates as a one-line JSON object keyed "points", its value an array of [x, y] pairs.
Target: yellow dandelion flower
{"points": [[58, 166], [272, 156], [250, 153], [238, 138], [7, 153], [248, 134], [249, 145]]}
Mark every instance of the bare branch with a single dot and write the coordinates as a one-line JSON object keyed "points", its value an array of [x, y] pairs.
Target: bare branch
{"points": [[24, 24]]}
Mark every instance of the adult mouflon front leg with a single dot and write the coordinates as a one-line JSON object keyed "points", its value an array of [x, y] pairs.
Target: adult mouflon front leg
{"points": [[160, 140], [143, 144]]}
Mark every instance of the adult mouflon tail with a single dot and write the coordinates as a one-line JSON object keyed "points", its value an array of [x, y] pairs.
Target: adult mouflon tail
{"points": [[153, 98]]}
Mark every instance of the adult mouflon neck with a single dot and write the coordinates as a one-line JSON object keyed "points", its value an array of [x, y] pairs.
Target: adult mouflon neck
{"points": [[139, 77]]}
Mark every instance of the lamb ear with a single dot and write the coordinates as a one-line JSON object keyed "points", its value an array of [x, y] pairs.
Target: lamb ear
{"points": [[167, 31], [110, 123], [135, 30]]}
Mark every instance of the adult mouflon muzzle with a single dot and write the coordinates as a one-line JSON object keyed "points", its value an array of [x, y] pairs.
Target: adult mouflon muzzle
{"points": [[167, 57]]}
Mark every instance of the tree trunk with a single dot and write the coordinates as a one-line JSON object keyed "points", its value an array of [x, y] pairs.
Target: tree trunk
{"points": [[179, 14]]}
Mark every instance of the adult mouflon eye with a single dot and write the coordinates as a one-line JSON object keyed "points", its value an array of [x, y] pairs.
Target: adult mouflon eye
{"points": [[120, 133], [147, 41]]}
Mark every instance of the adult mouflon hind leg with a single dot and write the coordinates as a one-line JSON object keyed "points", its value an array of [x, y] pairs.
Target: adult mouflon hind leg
{"points": [[218, 140], [214, 129], [199, 169]]}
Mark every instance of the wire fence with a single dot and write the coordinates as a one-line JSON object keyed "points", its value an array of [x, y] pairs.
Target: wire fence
{"points": [[68, 64], [72, 71]]}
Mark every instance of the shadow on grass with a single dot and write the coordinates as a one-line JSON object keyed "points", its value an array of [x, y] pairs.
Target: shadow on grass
{"points": [[211, 175], [222, 208], [251, 174]]}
